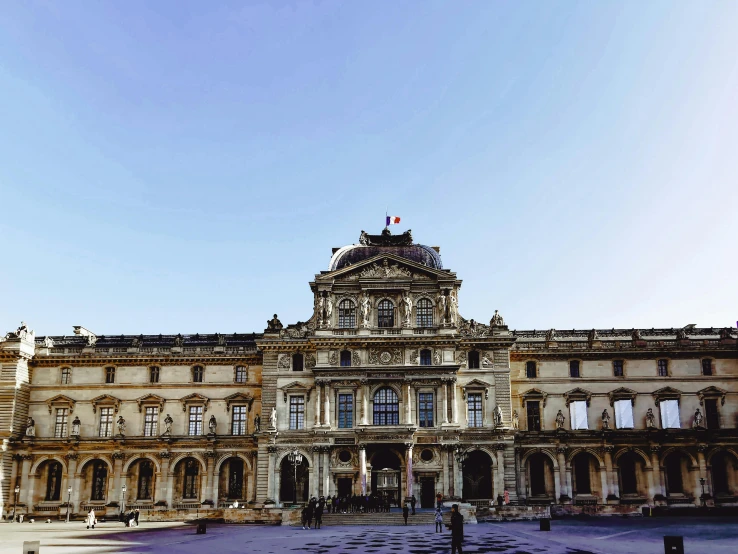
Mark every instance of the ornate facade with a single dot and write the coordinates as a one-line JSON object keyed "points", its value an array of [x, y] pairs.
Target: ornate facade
{"points": [[387, 389]]}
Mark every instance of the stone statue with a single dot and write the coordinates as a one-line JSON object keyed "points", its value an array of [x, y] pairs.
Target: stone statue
{"points": [[135, 342], [551, 335], [273, 419], [221, 340], [407, 309], [605, 419], [257, 424], [212, 424], [76, 424], [328, 309], [487, 360], [442, 307], [697, 419], [592, 336], [681, 334], [497, 416], [437, 357], [726, 333], [650, 419], [496, 320], [636, 335], [366, 310], [453, 309], [49, 342], [274, 324], [121, 426], [178, 340], [168, 421], [515, 420], [560, 420], [30, 427], [320, 309]]}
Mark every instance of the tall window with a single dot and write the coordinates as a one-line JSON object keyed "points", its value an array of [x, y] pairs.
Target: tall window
{"points": [[345, 411], [578, 414], [386, 314], [669, 414], [706, 366], [297, 412], [624, 414], [145, 480], [60, 425], [109, 375], [617, 368], [346, 314], [106, 422], [298, 362], [474, 359], [663, 368], [574, 368], [197, 373], [195, 426], [474, 401], [151, 421], [425, 357], [345, 358], [191, 473], [425, 409], [99, 480], [241, 374], [424, 313], [154, 374], [53, 481], [530, 370], [533, 411], [386, 407], [238, 426], [235, 478], [66, 375], [712, 417]]}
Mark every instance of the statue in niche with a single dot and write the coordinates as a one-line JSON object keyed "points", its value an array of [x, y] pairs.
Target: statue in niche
{"points": [[407, 309], [30, 427], [273, 419], [212, 424], [328, 309], [168, 421], [320, 309], [76, 424], [442, 307], [121, 426], [515, 420], [496, 320], [650, 419], [437, 357], [605, 419], [366, 309], [497, 416], [257, 424], [697, 419], [453, 308], [560, 420]]}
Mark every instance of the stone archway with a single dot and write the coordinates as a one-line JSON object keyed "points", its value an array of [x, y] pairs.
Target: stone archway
{"points": [[288, 473], [387, 470], [477, 476]]}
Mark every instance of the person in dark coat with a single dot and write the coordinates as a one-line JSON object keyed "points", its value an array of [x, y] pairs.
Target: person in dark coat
{"points": [[329, 503], [321, 505], [318, 517], [136, 516], [304, 515], [457, 529], [405, 512], [413, 501], [310, 511]]}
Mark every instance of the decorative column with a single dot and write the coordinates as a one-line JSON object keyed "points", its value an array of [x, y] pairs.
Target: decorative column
{"points": [[271, 470], [612, 477], [561, 457], [254, 473], [73, 480], [118, 478], [326, 470], [209, 469], [452, 476], [409, 469], [408, 406], [701, 448], [315, 470], [658, 477], [28, 481], [161, 493], [365, 402], [500, 485], [318, 406], [445, 486], [454, 407], [362, 468], [327, 406], [445, 401]]}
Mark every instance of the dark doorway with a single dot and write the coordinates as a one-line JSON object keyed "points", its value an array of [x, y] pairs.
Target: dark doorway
{"points": [[386, 474], [628, 480], [537, 465], [427, 492], [287, 487], [345, 486], [674, 484], [477, 476], [720, 474], [235, 478], [582, 484]]}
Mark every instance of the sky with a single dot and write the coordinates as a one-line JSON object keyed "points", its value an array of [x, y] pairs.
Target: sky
{"points": [[183, 167]]}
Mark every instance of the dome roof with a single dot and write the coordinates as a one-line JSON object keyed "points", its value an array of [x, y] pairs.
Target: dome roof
{"points": [[372, 245]]}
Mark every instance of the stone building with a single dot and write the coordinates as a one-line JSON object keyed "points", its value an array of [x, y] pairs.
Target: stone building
{"points": [[385, 389]]}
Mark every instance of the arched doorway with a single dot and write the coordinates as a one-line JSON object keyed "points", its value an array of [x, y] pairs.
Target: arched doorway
{"points": [[585, 471], [541, 477], [287, 487], [386, 474], [723, 473], [232, 480], [631, 475], [142, 472], [50, 473], [94, 485], [477, 475], [675, 469]]}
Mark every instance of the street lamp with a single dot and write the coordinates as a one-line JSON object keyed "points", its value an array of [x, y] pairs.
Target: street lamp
{"points": [[17, 490], [296, 458], [123, 500], [69, 499], [702, 482]]}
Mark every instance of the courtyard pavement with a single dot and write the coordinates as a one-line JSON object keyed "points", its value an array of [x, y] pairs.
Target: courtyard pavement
{"points": [[597, 535]]}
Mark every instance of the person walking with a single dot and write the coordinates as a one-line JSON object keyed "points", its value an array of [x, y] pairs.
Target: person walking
{"points": [[318, 517], [405, 512], [310, 511], [506, 497], [457, 529], [136, 514], [439, 520], [91, 519], [304, 516], [413, 501]]}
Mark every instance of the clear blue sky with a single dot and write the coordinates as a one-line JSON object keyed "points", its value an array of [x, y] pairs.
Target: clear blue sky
{"points": [[187, 166]]}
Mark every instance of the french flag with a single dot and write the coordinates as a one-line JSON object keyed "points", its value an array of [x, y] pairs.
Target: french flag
{"points": [[392, 220]]}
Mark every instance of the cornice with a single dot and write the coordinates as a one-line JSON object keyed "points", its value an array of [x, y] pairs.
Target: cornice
{"points": [[82, 360]]}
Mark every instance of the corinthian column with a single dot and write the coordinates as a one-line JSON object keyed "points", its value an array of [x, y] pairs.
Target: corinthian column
{"points": [[362, 468], [409, 468], [454, 408], [445, 402], [318, 407], [365, 402], [327, 407]]}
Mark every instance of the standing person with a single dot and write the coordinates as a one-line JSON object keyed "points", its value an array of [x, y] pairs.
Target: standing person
{"points": [[136, 516], [310, 510], [318, 517], [413, 500], [91, 518], [131, 518], [405, 512], [321, 506], [439, 520], [506, 496], [457, 529], [439, 500], [304, 516]]}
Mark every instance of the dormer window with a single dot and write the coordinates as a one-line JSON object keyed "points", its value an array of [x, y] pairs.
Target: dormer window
{"points": [[474, 359], [345, 358], [346, 314], [298, 362], [386, 314]]}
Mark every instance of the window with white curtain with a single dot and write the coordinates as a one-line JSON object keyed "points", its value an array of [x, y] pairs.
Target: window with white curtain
{"points": [[669, 414], [578, 414], [624, 414]]}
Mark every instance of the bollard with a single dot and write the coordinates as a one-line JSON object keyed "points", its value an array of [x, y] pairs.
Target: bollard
{"points": [[201, 529], [545, 524], [31, 547], [673, 544]]}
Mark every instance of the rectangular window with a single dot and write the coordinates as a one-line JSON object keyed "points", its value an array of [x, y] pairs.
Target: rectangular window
{"points": [[60, 425], [712, 416], [663, 368], [425, 409], [345, 411], [240, 374], [530, 370], [707, 366], [109, 375], [578, 415], [195, 427], [153, 374], [574, 368], [533, 411], [106, 422], [197, 373], [65, 375], [669, 414], [425, 357], [474, 402], [617, 368], [238, 426], [151, 421], [297, 412], [624, 414]]}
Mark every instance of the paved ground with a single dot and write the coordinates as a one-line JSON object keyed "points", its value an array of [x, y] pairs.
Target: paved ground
{"points": [[599, 535]]}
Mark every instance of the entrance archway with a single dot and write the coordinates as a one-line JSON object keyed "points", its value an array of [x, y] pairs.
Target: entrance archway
{"points": [[287, 481], [386, 474], [477, 475], [541, 477]]}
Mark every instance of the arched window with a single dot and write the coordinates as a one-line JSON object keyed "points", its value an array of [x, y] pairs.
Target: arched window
{"points": [[424, 313], [192, 470], [346, 314], [425, 357], [53, 481], [298, 362], [197, 374], [474, 359], [145, 480], [99, 480], [386, 407], [345, 358], [386, 314]]}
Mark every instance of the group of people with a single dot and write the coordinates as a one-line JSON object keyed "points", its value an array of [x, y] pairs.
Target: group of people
{"points": [[357, 504], [314, 510], [130, 519]]}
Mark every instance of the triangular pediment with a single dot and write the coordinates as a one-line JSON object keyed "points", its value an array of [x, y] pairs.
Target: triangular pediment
{"points": [[385, 266], [622, 393], [577, 394], [105, 400], [238, 398], [535, 394], [295, 387], [712, 392], [666, 393], [194, 398], [151, 399], [477, 383], [61, 399]]}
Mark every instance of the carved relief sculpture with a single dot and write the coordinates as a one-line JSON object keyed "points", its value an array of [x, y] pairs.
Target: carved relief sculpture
{"points": [[437, 357], [453, 309], [487, 360], [441, 302], [515, 420]]}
